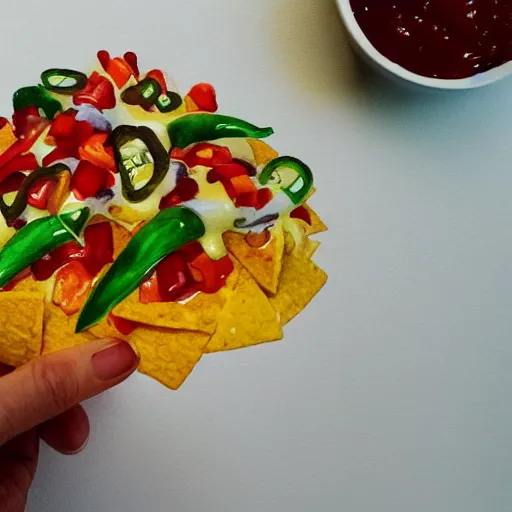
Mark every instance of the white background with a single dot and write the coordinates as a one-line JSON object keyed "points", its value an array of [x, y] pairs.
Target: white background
{"points": [[391, 391]]}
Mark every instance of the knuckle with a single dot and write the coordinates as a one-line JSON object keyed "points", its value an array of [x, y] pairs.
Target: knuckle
{"points": [[58, 381]]}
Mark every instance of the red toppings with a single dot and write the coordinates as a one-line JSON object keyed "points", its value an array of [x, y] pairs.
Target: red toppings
{"points": [[185, 190], [302, 214], [132, 60], [206, 154], [72, 285], [39, 193], [26, 162], [99, 92], [125, 327], [204, 96], [89, 179]]}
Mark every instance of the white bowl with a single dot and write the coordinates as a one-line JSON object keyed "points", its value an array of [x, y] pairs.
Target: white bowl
{"points": [[363, 46]]}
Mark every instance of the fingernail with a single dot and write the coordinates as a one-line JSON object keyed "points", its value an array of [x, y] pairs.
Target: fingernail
{"points": [[114, 361]]}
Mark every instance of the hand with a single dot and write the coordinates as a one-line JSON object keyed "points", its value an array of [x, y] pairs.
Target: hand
{"points": [[41, 399]]}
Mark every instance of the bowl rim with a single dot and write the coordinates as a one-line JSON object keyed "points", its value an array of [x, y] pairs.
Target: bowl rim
{"points": [[472, 82]]}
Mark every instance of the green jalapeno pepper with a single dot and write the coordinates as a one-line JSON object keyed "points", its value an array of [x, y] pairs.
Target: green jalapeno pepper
{"points": [[19, 204], [167, 232], [300, 186], [37, 239], [145, 93], [193, 128], [169, 102], [63, 81], [124, 134], [36, 96]]}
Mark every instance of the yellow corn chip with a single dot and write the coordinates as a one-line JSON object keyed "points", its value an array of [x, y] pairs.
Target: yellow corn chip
{"points": [[7, 138], [59, 330], [306, 250], [300, 281], [247, 319], [21, 318], [263, 263], [121, 238], [317, 225], [263, 153], [168, 355]]}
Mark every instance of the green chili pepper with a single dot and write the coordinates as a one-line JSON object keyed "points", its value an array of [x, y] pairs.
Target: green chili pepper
{"points": [[167, 232], [193, 128], [64, 81], [36, 96], [145, 93], [19, 204], [37, 239], [301, 185], [169, 102], [124, 134]]}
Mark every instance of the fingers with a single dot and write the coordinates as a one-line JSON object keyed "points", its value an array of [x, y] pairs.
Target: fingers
{"points": [[50, 385], [67, 433]]}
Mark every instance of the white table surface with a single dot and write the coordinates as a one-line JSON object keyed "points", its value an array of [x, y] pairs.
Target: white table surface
{"points": [[391, 391]]}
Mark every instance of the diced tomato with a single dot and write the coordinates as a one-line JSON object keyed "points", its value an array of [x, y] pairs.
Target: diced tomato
{"points": [[132, 61], [191, 251], [226, 172], [72, 284], [157, 75], [124, 326], [88, 179], [120, 71], [45, 267], [204, 96], [149, 291], [213, 273], [26, 162], [302, 214], [173, 277], [264, 195], [241, 190], [99, 92], [99, 247], [18, 148], [63, 125], [94, 151], [27, 122], [39, 193], [204, 153], [56, 154], [185, 190], [104, 58], [12, 183]]}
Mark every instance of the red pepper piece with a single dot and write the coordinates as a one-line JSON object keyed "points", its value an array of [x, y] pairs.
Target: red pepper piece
{"points": [[241, 190], [104, 58], [191, 251], [178, 154], [302, 214], [213, 273], [120, 71], [173, 277], [63, 125], [125, 327], [132, 60], [204, 96], [94, 151], [99, 247], [99, 92], [39, 193], [157, 75], [264, 196], [149, 291], [226, 172], [12, 183], [56, 154], [72, 285], [45, 267], [185, 190], [27, 121], [88, 180], [25, 162], [209, 155]]}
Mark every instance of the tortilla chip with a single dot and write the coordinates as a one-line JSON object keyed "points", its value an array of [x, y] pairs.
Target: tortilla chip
{"points": [[21, 318], [59, 330], [247, 319], [168, 355], [300, 281], [197, 314], [263, 153], [263, 263], [121, 238], [317, 225], [7, 137], [306, 250]]}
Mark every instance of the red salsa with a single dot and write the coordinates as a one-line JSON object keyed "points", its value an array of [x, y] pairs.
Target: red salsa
{"points": [[439, 38]]}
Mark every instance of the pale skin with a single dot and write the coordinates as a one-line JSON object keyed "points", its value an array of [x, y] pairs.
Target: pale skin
{"points": [[41, 401]]}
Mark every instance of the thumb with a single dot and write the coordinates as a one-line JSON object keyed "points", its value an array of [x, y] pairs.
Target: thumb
{"points": [[50, 385]]}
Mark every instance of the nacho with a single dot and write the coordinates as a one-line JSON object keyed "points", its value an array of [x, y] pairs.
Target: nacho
{"points": [[179, 231]]}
